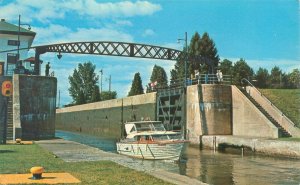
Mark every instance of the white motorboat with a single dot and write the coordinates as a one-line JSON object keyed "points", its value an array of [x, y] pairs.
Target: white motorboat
{"points": [[150, 140]]}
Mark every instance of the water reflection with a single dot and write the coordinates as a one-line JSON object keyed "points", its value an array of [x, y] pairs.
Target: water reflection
{"points": [[105, 144], [212, 167], [224, 168]]}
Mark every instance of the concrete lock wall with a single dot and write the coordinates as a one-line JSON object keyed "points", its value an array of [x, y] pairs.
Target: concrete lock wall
{"points": [[248, 120], [34, 104], [104, 118], [208, 111], [260, 145]]}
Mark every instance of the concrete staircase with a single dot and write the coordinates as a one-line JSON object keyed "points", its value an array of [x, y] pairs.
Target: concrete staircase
{"points": [[9, 129], [281, 131]]}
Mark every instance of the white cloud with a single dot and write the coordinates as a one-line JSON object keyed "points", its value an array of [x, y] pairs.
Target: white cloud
{"points": [[148, 32], [58, 34], [174, 45], [12, 11], [120, 9], [123, 23], [96, 34], [56, 9], [49, 34], [31, 9]]}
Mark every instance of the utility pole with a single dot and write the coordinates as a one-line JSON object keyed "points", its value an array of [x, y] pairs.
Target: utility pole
{"points": [[19, 32], [109, 83], [101, 73], [19, 26], [186, 56], [58, 98], [185, 61]]}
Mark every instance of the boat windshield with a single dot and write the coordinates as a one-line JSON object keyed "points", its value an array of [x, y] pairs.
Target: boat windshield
{"points": [[149, 126], [175, 136], [142, 127], [166, 136], [159, 126], [160, 137]]}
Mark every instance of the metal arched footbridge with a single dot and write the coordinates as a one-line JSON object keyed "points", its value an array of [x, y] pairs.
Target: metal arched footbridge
{"points": [[121, 49]]}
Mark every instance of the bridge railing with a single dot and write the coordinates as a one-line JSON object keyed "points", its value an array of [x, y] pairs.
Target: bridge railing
{"points": [[209, 79], [199, 79]]}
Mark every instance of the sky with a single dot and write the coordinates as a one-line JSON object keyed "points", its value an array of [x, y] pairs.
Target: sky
{"points": [[266, 33]]}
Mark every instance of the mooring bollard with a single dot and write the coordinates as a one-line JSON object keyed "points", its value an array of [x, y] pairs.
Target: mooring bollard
{"points": [[18, 141], [36, 172], [242, 151], [215, 143]]}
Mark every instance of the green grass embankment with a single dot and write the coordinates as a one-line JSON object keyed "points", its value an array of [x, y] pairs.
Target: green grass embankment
{"points": [[287, 101], [16, 159]]}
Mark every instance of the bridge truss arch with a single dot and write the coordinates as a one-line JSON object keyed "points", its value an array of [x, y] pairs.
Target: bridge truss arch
{"points": [[121, 49]]}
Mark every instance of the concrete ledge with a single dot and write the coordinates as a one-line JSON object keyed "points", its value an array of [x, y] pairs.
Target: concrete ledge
{"points": [[71, 151], [132, 100], [175, 178], [259, 145]]}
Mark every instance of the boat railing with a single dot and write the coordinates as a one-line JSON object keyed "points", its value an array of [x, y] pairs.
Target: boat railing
{"points": [[154, 131], [150, 150]]}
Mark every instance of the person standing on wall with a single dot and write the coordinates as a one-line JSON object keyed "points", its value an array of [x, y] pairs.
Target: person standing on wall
{"points": [[219, 76], [47, 69]]}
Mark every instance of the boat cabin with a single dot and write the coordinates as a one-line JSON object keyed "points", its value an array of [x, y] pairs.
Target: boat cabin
{"points": [[149, 131], [143, 126]]}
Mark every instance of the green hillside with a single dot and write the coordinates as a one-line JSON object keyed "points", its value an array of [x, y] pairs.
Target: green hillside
{"points": [[287, 100]]}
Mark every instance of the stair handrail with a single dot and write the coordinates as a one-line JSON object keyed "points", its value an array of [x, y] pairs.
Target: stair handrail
{"points": [[282, 114], [246, 80]]}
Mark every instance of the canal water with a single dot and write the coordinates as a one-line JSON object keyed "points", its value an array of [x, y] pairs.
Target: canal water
{"points": [[213, 167]]}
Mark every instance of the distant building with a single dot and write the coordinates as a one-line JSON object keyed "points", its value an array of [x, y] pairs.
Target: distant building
{"points": [[9, 41]]}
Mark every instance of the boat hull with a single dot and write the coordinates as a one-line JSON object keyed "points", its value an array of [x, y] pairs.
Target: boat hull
{"points": [[153, 151]]}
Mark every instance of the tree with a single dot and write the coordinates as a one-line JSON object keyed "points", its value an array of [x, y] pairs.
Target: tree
{"points": [[80, 99], [241, 70], [96, 94], [294, 78], [136, 87], [276, 77], [178, 72], [209, 51], [285, 83], [262, 76], [108, 95], [194, 50], [83, 83], [199, 46], [226, 67], [159, 75]]}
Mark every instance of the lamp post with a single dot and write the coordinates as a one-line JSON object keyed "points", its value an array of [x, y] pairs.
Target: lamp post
{"points": [[109, 81], [19, 30], [101, 73], [186, 53]]}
